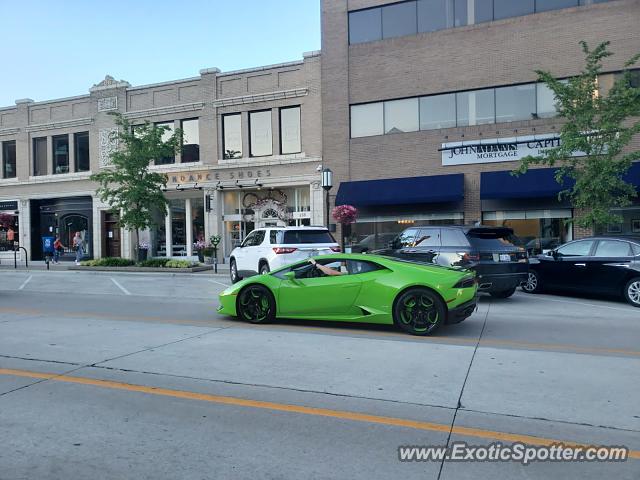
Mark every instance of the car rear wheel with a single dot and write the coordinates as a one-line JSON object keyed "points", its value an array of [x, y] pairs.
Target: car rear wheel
{"points": [[256, 304], [533, 284], [233, 271], [419, 311], [632, 291], [503, 293], [264, 268]]}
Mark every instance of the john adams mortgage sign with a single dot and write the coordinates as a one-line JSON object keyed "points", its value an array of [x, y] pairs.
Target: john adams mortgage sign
{"points": [[496, 149]]}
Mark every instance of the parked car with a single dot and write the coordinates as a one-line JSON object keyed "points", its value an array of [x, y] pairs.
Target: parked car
{"points": [[372, 242], [266, 249], [500, 265], [367, 288], [604, 265]]}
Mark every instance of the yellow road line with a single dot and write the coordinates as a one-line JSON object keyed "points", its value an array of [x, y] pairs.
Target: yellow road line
{"points": [[300, 409]]}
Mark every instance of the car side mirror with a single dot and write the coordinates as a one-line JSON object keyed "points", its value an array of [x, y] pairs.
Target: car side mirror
{"points": [[291, 276], [555, 254]]}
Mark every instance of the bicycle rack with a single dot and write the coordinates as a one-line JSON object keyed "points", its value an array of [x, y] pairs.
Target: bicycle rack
{"points": [[15, 257]]}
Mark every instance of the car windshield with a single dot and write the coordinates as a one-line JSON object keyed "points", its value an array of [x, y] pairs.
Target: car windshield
{"points": [[289, 237]]}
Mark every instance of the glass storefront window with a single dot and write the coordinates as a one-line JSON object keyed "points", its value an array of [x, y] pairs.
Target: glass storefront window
{"points": [[178, 227], [9, 231], [630, 222], [536, 230], [158, 236], [197, 216]]}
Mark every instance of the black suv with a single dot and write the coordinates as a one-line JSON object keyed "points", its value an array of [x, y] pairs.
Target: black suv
{"points": [[500, 266]]}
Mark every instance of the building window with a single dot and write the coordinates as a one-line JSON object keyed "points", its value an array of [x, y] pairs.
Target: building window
{"points": [[365, 25], [82, 162], [438, 111], [515, 103], [435, 15], [190, 141], [367, 120], [509, 8], [545, 5], [545, 101], [9, 231], [476, 107], [260, 137], [399, 20], [39, 156], [290, 130], [232, 136], [60, 154], [9, 159], [401, 116], [166, 135]]}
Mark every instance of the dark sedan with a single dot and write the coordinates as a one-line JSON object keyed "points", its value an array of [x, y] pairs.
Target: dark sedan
{"points": [[603, 265]]}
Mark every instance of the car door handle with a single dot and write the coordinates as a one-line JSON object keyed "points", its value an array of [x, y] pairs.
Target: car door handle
{"points": [[580, 264], [408, 251]]}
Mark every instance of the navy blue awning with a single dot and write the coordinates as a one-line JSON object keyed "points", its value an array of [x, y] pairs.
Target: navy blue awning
{"points": [[402, 191], [538, 182]]}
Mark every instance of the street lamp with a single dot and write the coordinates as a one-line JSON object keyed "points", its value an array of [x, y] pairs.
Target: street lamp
{"points": [[327, 183]]}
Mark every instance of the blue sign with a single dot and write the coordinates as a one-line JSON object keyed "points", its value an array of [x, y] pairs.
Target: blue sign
{"points": [[47, 245]]}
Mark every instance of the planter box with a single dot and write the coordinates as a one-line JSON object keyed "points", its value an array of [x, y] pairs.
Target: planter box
{"points": [[199, 268]]}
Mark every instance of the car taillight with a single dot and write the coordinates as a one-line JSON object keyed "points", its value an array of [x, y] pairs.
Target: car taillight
{"points": [[470, 257], [279, 250], [336, 249]]}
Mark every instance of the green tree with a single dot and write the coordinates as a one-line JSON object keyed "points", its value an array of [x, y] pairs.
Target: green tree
{"points": [[127, 185], [597, 129]]}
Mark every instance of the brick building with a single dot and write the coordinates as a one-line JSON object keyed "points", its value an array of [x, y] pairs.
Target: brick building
{"points": [[251, 155], [428, 105]]}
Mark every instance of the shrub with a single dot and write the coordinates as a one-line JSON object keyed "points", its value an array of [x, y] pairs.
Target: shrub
{"points": [[180, 264], [108, 262], [154, 262]]}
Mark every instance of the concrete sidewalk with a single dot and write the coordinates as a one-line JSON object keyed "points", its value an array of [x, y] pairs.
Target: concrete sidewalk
{"points": [[38, 266]]}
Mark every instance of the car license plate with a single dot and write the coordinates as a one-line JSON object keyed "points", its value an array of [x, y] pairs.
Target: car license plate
{"points": [[505, 257]]}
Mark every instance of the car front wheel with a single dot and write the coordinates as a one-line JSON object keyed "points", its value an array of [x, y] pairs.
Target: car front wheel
{"points": [[264, 269], [632, 291], [256, 304], [233, 272], [419, 311], [533, 284]]}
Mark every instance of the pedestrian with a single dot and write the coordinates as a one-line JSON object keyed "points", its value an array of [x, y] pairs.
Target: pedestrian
{"points": [[58, 248], [77, 245]]}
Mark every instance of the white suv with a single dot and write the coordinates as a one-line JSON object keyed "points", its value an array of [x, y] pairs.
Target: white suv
{"points": [[266, 249]]}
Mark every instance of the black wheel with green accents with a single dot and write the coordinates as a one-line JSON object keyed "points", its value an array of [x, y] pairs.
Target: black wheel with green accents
{"points": [[256, 304], [419, 311]]}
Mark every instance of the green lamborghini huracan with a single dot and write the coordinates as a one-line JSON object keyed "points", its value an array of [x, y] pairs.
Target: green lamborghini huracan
{"points": [[416, 297]]}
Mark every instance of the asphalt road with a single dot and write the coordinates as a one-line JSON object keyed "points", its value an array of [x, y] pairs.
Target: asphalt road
{"points": [[135, 376]]}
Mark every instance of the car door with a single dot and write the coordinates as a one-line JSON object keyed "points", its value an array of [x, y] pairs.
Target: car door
{"points": [[426, 246], [242, 254], [454, 251], [402, 242], [566, 268], [319, 295], [608, 269]]}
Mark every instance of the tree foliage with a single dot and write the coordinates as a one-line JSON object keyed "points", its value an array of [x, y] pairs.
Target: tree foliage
{"points": [[594, 138], [128, 186]]}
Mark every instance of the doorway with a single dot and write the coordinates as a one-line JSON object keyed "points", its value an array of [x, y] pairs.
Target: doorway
{"points": [[110, 235]]}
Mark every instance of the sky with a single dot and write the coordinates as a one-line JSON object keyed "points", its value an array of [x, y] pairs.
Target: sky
{"points": [[53, 49]]}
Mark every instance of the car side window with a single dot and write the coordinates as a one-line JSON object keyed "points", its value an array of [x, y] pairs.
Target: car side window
{"points": [[580, 248], [636, 249], [248, 240], [613, 248], [355, 267], [259, 237], [428, 237], [273, 237], [406, 238], [450, 237]]}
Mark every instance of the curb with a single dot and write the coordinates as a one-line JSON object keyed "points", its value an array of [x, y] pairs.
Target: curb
{"points": [[201, 268]]}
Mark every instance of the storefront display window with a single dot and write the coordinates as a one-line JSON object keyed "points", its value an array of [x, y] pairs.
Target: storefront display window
{"points": [[178, 227], [9, 231], [630, 222], [197, 218], [536, 230]]}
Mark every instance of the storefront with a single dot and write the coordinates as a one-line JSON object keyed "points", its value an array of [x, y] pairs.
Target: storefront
{"points": [[529, 205], [630, 215], [9, 228], [62, 217], [386, 207]]}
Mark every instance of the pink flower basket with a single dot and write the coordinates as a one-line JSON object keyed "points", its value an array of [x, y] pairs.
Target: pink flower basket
{"points": [[345, 214]]}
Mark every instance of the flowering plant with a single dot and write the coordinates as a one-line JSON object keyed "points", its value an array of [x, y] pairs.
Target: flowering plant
{"points": [[345, 214], [200, 245], [143, 246]]}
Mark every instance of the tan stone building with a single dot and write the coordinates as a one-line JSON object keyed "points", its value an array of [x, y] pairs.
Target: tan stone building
{"points": [[251, 156], [428, 105]]}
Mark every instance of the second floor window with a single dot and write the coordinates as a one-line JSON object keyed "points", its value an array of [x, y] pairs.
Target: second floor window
{"points": [[40, 156], [60, 145], [9, 159], [232, 136], [166, 135], [81, 145], [260, 137], [290, 130], [190, 141]]}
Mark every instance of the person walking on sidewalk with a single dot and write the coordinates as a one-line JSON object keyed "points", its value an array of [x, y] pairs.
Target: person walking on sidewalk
{"points": [[58, 248], [77, 245]]}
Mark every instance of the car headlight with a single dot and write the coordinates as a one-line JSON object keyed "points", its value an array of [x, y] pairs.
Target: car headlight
{"points": [[466, 282]]}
